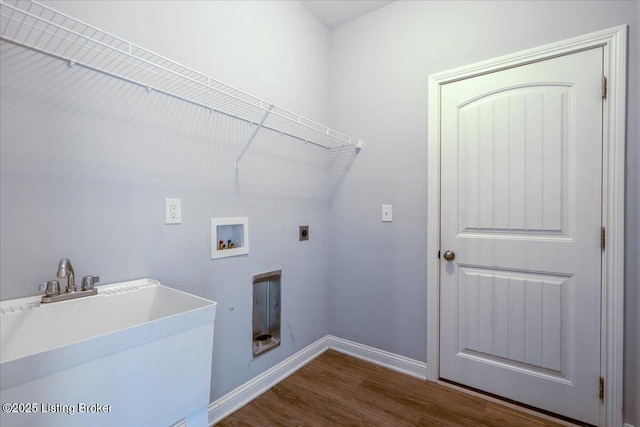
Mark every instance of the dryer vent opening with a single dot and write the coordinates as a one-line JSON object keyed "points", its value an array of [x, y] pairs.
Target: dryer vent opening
{"points": [[266, 312]]}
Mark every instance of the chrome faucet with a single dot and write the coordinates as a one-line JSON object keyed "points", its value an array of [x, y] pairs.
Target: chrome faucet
{"points": [[65, 271]]}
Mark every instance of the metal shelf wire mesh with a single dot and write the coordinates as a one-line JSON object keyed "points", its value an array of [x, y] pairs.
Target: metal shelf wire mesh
{"points": [[35, 26]]}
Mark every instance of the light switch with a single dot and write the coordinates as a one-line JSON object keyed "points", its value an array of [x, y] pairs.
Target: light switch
{"points": [[386, 213]]}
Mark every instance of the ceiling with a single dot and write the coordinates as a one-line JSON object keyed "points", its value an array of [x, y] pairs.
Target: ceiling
{"points": [[336, 12]]}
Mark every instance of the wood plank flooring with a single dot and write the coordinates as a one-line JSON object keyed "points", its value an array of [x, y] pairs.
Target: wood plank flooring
{"points": [[338, 390]]}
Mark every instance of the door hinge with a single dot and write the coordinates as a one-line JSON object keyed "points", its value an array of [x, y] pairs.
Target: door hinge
{"points": [[604, 87], [603, 238], [601, 393]]}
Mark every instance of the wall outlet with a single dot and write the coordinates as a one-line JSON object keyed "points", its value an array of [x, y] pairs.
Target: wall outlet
{"points": [[304, 232], [173, 211]]}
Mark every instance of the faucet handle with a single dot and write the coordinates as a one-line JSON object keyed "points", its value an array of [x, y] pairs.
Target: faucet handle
{"points": [[53, 288], [89, 281]]}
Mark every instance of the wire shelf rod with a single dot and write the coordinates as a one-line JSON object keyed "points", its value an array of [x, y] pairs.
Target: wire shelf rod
{"points": [[207, 107], [126, 61]]}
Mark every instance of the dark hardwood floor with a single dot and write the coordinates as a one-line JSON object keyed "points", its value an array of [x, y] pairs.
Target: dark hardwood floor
{"points": [[338, 390]]}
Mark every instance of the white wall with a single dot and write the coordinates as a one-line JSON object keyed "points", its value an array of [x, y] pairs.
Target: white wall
{"points": [[379, 69], [88, 160]]}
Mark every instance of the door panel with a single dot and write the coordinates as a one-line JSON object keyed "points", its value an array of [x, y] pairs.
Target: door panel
{"points": [[498, 192], [515, 320], [521, 153]]}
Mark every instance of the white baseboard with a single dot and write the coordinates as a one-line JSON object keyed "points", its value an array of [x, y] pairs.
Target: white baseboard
{"points": [[242, 395], [627, 425], [379, 357]]}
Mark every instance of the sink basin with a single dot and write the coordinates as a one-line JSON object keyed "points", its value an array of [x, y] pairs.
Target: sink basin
{"points": [[137, 353]]}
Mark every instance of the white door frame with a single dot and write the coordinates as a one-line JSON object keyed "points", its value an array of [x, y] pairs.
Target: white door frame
{"points": [[614, 41]]}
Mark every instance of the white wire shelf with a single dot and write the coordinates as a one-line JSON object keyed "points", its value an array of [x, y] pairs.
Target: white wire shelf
{"points": [[40, 28]]}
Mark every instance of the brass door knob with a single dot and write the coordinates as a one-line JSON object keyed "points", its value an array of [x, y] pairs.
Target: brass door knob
{"points": [[449, 255]]}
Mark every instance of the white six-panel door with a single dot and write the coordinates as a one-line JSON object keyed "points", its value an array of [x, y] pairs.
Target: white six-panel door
{"points": [[521, 174]]}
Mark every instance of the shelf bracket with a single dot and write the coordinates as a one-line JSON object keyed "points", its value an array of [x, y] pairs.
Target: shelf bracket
{"points": [[253, 136]]}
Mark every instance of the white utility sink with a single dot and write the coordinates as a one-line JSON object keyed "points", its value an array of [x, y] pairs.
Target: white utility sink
{"points": [[137, 353]]}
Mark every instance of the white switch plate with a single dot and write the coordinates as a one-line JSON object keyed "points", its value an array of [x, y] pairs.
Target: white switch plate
{"points": [[173, 211], [387, 213]]}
